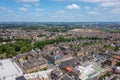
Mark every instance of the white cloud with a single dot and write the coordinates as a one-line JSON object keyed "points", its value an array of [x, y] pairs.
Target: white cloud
{"points": [[59, 14], [29, 0], [23, 9], [39, 9], [99, 8], [5, 9], [36, 4], [110, 4], [116, 11], [62, 14], [98, 1], [73, 6], [87, 7], [103, 3], [94, 1], [94, 13], [9, 11], [26, 5]]}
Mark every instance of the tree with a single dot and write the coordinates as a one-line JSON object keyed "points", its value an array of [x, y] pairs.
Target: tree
{"points": [[24, 49], [12, 49], [17, 49]]}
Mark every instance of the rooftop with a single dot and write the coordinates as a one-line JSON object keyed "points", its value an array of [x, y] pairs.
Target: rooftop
{"points": [[32, 63], [20, 78], [9, 70], [88, 71], [42, 75]]}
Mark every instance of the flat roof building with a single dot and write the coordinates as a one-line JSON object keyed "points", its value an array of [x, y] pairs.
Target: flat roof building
{"points": [[9, 70], [41, 75], [89, 71]]}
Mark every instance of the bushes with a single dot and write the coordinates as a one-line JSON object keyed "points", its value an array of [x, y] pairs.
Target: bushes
{"points": [[118, 64], [109, 47]]}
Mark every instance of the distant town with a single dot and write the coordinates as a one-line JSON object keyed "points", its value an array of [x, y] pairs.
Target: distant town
{"points": [[60, 51]]}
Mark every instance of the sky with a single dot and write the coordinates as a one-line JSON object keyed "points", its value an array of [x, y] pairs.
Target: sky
{"points": [[59, 10]]}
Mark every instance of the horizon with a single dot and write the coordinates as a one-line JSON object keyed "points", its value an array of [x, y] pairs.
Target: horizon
{"points": [[57, 22]]}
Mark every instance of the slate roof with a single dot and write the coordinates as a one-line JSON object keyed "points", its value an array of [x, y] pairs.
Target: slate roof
{"points": [[20, 78], [71, 62], [32, 63]]}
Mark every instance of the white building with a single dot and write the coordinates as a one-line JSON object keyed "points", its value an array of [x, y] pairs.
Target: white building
{"points": [[89, 71], [9, 70], [41, 75], [118, 69]]}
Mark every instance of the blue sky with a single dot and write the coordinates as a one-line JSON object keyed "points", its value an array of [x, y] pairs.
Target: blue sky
{"points": [[59, 10]]}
